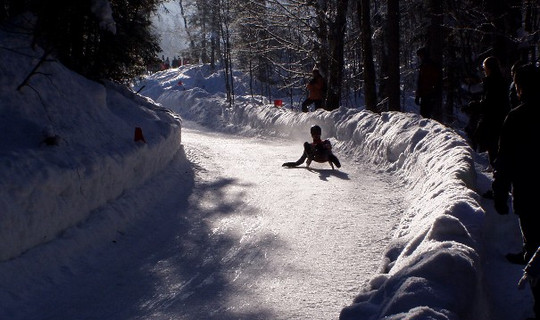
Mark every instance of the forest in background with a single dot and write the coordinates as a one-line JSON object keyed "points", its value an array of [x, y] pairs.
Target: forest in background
{"points": [[365, 49]]}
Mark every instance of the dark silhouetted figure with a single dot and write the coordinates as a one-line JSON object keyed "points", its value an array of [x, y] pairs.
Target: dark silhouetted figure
{"points": [[516, 168], [491, 109], [429, 84]]}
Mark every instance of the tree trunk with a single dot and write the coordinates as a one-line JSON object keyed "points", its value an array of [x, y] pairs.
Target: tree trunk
{"points": [[532, 26], [392, 36], [336, 43], [370, 88], [505, 19], [322, 51], [435, 40]]}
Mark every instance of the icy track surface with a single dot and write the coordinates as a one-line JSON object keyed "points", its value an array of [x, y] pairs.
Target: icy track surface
{"points": [[232, 235]]}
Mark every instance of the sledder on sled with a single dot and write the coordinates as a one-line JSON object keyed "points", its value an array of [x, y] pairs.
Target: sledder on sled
{"points": [[318, 151]]}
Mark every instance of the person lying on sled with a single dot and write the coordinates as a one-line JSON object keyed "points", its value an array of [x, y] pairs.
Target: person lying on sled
{"points": [[318, 151]]}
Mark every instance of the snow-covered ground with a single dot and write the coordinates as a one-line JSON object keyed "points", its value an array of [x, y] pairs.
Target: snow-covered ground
{"points": [[171, 220]]}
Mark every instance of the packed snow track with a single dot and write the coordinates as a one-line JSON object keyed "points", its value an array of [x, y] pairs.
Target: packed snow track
{"points": [[229, 234]]}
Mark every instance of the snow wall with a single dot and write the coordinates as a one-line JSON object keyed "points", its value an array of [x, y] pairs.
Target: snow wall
{"points": [[434, 252], [44, 190]]}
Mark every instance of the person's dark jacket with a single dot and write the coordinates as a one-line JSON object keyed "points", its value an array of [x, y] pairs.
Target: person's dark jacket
{"points": [[493, 108], [516, 168], [429, 79], [512, 96], [320, 150]]}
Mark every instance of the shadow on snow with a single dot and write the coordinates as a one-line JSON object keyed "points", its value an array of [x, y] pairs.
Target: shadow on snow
{"points": [[169, 264]]}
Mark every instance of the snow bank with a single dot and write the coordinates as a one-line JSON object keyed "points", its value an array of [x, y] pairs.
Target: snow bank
{"points": [[431, 269], [47, 188]]}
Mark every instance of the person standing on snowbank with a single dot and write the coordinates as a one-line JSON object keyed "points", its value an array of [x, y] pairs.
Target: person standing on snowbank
{"points": [[428, 85], [315, 88], [516, 169], [318, 151], [492, 108]]}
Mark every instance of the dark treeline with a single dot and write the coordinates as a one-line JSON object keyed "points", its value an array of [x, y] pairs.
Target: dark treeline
{"points": [[99, 39], [364, 49]]}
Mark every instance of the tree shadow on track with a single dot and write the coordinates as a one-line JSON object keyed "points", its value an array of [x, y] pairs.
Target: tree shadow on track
{"points": [[169, 264], [205, 265], [191, 272]]}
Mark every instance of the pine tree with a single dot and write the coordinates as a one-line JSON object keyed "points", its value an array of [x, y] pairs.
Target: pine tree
{"points": [[75, 33]]}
